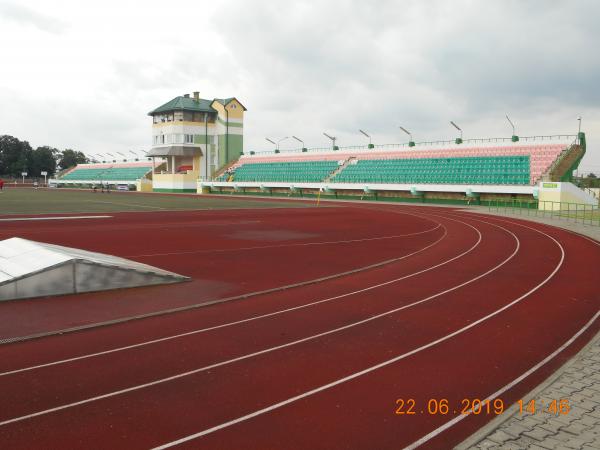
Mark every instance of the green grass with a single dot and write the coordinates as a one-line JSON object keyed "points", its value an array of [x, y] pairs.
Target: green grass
{"points": [[51, 201]]}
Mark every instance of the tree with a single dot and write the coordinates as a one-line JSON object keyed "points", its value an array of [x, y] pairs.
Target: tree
{"points": [[69, 158], [44, 159], [592, 175], [15, 156]]}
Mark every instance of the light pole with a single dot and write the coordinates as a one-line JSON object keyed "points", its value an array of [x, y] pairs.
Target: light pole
{"points": [[514, 137], [579, 129], [365, 134], [333, 139], [281, 140], [460, 139], [411, 143], [274, 143], [301, 142]]}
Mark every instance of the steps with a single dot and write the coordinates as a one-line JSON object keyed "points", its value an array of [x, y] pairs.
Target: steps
{"points": [[339, 169]]}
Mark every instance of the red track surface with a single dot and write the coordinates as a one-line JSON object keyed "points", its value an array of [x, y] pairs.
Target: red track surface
{"points": [[443, 301]]}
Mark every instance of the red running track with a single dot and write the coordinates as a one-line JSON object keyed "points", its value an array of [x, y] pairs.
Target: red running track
{"points": [[473, 304]]}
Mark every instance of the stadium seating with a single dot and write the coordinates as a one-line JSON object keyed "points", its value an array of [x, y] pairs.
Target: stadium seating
{"points": [[473, 170], [307, 171], [106, 172], [517, 163]]}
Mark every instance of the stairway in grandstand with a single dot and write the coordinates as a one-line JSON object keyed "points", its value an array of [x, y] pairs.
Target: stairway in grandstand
{"points": [[342, 166]]}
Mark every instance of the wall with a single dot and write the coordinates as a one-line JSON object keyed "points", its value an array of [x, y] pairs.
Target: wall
{"points": [[179, 182], [562, 192]]}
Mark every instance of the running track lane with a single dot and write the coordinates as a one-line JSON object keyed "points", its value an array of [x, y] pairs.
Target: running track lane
{"points": [[343, 358], [218, 343], [215, 275], [441, 251]]}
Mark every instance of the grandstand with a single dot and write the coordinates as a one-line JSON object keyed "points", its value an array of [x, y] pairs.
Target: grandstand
{"points": [[125, 173], [498, 167]]}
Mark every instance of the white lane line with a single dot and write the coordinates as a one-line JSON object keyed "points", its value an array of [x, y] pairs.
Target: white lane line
{"points": [[348, 241], [137, 205], [502, 390], [180, 309], [17, 219], [272, 349], [367, 370], [250, 319]]}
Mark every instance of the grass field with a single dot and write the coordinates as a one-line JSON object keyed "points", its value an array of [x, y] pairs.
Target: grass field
{"points": [[49, 201]]}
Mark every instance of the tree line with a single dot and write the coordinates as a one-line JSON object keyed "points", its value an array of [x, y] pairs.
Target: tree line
{"points": [[18, 156]]}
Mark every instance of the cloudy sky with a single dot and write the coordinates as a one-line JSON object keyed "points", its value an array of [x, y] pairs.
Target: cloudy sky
{"points": [[83, 75]]}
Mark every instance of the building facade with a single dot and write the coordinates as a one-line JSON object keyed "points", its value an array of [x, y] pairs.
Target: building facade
{"points": [[196, 137]]}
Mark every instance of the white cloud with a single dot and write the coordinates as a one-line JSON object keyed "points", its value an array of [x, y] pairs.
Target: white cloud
{"points": [[83, 75]]}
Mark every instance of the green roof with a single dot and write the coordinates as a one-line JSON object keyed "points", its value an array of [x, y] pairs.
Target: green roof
{"points": [[186, 104], [225, 101]]}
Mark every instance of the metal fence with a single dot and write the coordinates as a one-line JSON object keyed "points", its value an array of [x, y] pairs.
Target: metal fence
{"points": [[406, 145], [571, 212]]}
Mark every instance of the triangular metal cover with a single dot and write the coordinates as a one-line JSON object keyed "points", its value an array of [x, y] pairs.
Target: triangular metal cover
{"points": [[34, 269]]}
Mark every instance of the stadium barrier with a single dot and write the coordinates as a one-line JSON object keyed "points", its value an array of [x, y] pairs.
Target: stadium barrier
{"points": [[571, 212]]}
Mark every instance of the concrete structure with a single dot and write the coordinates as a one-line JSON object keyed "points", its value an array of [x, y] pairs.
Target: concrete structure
{"points": [[529, 181], [35, 269], [552, 194], [196, 137]]}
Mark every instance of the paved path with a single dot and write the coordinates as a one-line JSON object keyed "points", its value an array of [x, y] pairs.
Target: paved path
{"points": [[579, 382]]}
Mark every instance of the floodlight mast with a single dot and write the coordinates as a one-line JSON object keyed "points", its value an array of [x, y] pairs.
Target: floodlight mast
{"points": [[333, 139], [458, 128], [281, 140], [514, 137], [362, 132], [411, 143], [458, 140], [579, 129], [511, 124], [407, 132], [299, 140]]}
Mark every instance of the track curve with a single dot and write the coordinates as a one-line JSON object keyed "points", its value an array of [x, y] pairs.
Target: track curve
{"points": [[458, 320]]}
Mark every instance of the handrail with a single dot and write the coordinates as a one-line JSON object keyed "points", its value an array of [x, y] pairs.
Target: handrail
{"points": [[560, 158], [553, 137], [586, 214]]}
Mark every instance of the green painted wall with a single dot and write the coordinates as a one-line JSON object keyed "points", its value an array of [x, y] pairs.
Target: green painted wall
{"points": [[231, 124], [200, 139], [236, 144]]}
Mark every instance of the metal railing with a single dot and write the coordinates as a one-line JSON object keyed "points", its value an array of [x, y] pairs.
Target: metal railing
{"points": [[572, 212], [528, 139]]}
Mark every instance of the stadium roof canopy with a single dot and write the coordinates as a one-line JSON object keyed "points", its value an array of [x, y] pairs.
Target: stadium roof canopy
{"points": [[35, 269]]}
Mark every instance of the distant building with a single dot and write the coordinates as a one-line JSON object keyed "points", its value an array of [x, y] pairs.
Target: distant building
{"points": [[196, 137]]}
